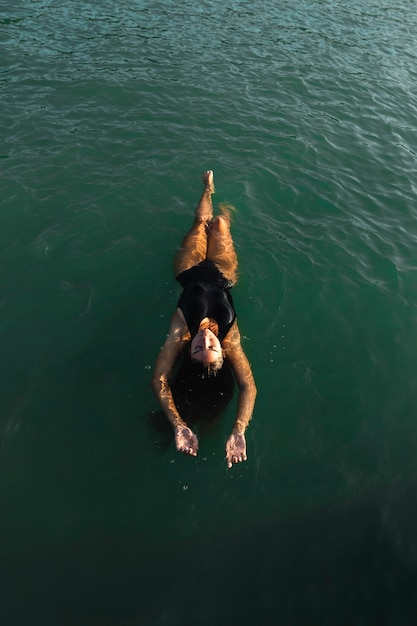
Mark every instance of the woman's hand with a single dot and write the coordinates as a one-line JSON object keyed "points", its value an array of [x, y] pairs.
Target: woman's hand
{"points": [[235, 449], [186, 441]]}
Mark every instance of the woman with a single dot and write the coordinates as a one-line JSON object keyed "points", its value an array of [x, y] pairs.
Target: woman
{"points": [[205, 323]]}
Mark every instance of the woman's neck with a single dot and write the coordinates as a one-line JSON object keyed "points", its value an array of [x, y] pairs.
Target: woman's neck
{"points": [[210, 324]]}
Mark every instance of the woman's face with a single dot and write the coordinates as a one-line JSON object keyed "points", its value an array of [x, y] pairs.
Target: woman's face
{"points": [[206, 347]]}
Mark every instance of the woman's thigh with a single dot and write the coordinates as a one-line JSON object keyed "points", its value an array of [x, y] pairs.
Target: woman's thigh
{"points": [[221, 249], [193, 249]]}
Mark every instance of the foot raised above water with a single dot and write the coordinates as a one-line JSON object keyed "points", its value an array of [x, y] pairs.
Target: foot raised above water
{"points": [[208, 180]]}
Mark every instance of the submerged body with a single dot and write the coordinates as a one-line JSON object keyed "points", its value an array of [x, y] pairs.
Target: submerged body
{"points": [[205, 319]]}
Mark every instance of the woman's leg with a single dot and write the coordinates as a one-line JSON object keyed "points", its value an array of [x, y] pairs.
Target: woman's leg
{"points": [[220, 247], [194, 246]]}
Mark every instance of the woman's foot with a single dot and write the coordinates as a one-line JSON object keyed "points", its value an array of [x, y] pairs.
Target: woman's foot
{"points": [[208, 180]]}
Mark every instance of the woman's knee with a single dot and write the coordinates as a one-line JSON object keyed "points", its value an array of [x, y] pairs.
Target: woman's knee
{"points": [[220, 224]]}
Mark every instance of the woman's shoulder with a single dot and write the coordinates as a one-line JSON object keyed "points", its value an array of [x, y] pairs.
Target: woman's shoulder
{"points": [[232, 339], [179, 326], [180, 316]]}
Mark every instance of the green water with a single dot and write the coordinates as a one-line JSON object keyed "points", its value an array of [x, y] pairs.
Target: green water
{"points": [[306, 112]]}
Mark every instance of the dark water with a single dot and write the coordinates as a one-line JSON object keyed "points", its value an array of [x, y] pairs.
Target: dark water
{"points": [[306, 112]]}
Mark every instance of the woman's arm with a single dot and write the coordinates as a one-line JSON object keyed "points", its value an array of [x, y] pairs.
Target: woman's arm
{"points": [[185, 440], [236, 444]]}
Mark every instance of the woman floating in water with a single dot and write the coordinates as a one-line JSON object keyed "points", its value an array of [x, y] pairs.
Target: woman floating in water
{"points": [[205, 324]]}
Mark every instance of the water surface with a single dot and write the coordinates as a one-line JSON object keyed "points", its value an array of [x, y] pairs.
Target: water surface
{"points": [[306, 113]]}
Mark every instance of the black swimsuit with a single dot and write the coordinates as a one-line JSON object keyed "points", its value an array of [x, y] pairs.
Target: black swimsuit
{"points": [[206, 294]]}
